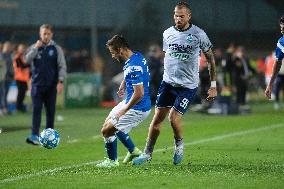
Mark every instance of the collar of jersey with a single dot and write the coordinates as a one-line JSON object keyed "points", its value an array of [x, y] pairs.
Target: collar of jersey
{"points": [[134, 53], [184, 29], [51, 42], [126, 61]]}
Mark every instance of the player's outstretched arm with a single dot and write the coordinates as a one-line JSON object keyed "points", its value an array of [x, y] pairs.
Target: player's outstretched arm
{"points": [[212, 92], [275, 70]]}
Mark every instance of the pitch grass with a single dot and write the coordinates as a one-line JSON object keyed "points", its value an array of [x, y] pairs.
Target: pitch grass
{"points": [[252, 160]]}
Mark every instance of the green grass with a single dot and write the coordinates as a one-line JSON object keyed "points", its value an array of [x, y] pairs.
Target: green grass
{"points": [[252, 159]]}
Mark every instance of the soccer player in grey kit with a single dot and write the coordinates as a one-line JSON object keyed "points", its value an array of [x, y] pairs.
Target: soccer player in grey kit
{"points": [[182, 44]]}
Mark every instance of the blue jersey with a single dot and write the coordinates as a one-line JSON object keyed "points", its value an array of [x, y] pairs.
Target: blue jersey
{"points": [[136, 72], [279, 51]]}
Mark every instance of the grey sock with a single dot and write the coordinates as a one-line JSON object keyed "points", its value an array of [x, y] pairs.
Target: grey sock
{"points": [[178, 141]]}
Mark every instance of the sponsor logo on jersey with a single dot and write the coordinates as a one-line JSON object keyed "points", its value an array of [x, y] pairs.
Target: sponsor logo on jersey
{"points": [[135, 71], [189, 38], [180, 55], [180, 48]]}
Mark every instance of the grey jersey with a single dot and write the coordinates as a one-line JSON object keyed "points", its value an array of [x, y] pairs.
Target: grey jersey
{"points": [[182, 52]]}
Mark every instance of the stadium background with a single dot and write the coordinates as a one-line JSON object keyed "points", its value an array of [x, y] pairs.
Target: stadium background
{"points": [[232, 151], [83, 27]]}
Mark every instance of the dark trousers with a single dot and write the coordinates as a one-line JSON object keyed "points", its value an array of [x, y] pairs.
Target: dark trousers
{"points": [[22, 89], [241, 87], [2, 94], [7, 86], [43, 95]]}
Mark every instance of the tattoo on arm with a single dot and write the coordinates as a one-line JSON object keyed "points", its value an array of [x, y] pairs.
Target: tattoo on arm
{"points": [[211, 64]]}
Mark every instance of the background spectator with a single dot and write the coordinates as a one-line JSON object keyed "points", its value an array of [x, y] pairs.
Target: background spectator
{"points": [[9, 75], [22, 76], [2, 80], [240, 73], [155, 63]]}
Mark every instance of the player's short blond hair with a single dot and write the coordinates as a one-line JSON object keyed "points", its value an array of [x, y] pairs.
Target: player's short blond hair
{"points": [[116, 42], [183, 4]]}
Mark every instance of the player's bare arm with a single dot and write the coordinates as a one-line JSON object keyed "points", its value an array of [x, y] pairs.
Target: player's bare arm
{"points": [[136, 97], [121, 89], [275, 71], [212, 92]]}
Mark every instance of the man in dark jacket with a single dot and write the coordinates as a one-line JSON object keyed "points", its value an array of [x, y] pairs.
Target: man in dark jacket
{"points": [[48, 72]]}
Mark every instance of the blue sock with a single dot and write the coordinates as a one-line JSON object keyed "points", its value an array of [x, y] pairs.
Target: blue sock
{"points": [[111, 147], [126, 140]]}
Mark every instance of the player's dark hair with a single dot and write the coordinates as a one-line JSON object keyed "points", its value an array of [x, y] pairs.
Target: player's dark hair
{"points": [[116, 42], [46, 26], [183, 4], [281, 19]]}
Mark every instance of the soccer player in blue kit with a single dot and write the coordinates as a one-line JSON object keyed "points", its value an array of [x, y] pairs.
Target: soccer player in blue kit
{"points": [[134, 109], [279, 54], [182, 44]]}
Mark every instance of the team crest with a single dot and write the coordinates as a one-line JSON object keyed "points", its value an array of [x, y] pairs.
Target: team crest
{"points": [[50, 52], [189, 38]]}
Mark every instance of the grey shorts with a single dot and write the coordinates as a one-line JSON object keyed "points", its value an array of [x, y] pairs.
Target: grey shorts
{"points": [[131, 119]]}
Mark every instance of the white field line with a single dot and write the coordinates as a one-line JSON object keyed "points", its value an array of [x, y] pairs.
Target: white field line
{"points": [[97, 137], [72, 141], [229, 135], [69, 141], [216, 138]]}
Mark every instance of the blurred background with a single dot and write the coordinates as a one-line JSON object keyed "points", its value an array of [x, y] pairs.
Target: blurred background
{"points": [[244, 34]]}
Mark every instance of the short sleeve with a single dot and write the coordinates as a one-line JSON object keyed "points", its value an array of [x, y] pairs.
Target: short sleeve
{"points": [[136, 75], [279, 51], [205, 43], [165, 46]]}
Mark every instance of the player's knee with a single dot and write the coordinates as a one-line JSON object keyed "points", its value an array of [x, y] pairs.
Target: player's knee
{"points": [[156, 127], [158, 119], [172, 119], [105, 132]]}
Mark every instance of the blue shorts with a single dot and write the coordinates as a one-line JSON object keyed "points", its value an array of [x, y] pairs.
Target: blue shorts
{"points": [[177, 97]]}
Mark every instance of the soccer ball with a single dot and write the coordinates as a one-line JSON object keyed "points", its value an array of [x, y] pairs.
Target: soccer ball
{"points": [[49, 138]]}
